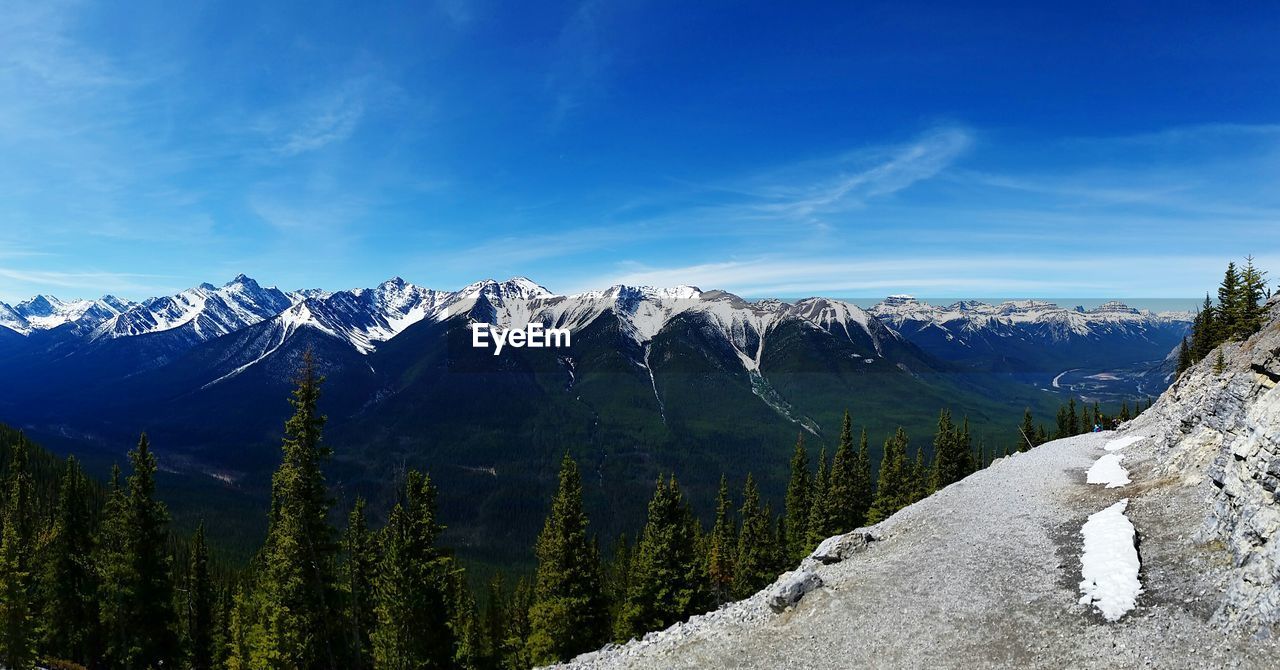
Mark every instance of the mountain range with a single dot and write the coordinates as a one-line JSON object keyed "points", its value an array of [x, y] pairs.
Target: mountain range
{"points": [[656, 379]]}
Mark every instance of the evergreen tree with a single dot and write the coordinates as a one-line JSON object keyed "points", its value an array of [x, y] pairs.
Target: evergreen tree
{"points": [[412, 603], [471, 650], [822, 522], [17, 609], [798, 502], [1219, 366], [862, 482], [297, 586], [359, 568], [893, 488], [494, 619], [1184, 356], [949, 454], [722, 547], [1042, 435], [1252, 294], [842, 492], [617, 575], [753, 567], [1204, 331], [569, 614], [920, 480], [1073, 419], [1230, 306], [666, 583], [138, 599], [514, 648], [1028, 430], [70, 585], [200, 605], [1124, 411]]}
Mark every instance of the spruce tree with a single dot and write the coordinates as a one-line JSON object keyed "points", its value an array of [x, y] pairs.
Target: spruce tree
{"points": [[297, 586], [617, 576], [1253, 287], [722, 546], [138, 599], [893, 488], [411, 590], [798, 502], [863, 485], [842, 483], [569, 614], [70, 584], [514, 649], [822, 522], [1028, 430], [1184, 356], [921, 478], [359, 567], [200, 605], [17, 607], [753, 568], [948, 454], [1230, 306], [666, 582]]}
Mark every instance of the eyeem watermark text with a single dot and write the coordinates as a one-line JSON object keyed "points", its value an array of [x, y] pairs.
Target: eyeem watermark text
{"points": [[534, 335]]}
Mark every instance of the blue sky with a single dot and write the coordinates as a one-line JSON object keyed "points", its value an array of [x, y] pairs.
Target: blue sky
{"points": [[773, 149]]}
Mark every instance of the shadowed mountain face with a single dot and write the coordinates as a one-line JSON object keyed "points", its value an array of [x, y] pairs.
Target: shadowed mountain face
{"points": [[655, 380]]}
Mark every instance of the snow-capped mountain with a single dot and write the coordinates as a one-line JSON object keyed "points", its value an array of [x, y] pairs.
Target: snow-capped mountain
{"points": [[200, 313], [1038, 338], [48, 312]]}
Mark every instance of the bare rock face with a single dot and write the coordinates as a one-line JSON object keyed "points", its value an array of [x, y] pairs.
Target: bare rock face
{"points": [[1224, 422]]}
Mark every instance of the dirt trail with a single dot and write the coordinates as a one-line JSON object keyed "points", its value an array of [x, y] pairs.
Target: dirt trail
{"points": [[985, 573]]}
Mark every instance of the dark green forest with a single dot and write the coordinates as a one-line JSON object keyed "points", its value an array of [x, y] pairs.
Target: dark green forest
{"points": [[94, 576]]}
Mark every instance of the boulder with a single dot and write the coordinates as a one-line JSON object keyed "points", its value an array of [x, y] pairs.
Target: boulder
{"points": [[790, 588]]}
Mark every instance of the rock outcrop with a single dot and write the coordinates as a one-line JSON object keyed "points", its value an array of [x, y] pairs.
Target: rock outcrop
{"points": [[1221, 420]]}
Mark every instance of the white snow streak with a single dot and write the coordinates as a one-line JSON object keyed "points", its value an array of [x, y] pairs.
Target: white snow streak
{"points": [[1108, 471], [1110, 563]]}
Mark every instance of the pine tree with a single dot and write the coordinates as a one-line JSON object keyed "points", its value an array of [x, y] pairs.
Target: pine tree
{"points": [[70, 585], [1252, 294], [842, 493], [1027, 429], [137, 601], [722, 546], [1184, 356], [1205, 330], [893, 488], [666, 582], [412, 600], [200, 605], [17, 609], [948, 453], [1073, 419], [569, 614], [1219, 366], [359, 568], [470, 650], [1124, 411], [798, 502], [514, 648], [297, 586], [617, 576], [1230, 306], [863, 485], [921, 478], [494, 619], [822, 521], [753, 567]]}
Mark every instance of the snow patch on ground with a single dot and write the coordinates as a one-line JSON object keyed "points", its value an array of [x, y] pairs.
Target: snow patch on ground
{"points": [[1107, 470], [1110, 562], [1122, 442]]}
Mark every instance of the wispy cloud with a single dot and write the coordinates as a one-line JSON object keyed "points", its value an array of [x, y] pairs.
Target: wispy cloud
{"points": [[325, 119], [90, 283]]}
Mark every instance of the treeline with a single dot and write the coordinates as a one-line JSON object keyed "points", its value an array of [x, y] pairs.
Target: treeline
{"points": [[1075, 418], [1239, 313], [94, 578]]}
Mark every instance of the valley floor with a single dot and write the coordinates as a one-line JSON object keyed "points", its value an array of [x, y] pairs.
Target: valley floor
{"points": [[986, 573]]}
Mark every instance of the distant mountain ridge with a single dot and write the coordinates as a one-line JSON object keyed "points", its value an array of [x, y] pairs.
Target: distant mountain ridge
{"points": [[656, 380]]}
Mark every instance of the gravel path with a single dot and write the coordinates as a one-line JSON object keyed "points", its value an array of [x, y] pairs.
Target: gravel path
{"points": [[985, 574]]}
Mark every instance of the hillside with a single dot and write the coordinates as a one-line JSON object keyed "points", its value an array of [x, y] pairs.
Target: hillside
{"points": [[987, 572]]}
